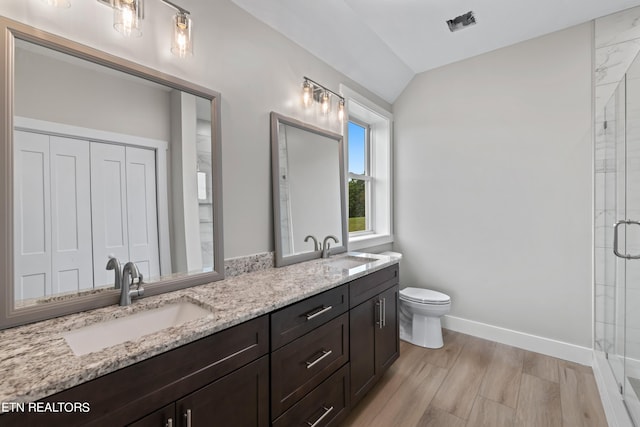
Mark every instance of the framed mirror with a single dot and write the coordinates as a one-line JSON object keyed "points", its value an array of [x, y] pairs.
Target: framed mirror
{"points": [[100, 158], [308, 190]]}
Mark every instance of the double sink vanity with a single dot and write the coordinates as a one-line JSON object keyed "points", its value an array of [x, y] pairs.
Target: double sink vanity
{"points": [[295, 345], [300, 344]]}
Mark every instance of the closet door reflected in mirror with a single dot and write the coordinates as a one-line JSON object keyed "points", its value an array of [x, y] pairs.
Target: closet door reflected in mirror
{"points": [[108, 159]]}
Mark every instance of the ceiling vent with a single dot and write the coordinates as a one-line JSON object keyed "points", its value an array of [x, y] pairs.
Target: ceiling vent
{"points": [[462, 21]]}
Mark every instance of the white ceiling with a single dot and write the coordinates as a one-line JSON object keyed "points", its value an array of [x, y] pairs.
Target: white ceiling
{"points": [[382, 44]]}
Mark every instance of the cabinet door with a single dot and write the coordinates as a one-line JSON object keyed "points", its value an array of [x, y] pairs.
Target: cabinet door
{"points": [[240, 399], [362, 330], [387, 336], [165, 417]]}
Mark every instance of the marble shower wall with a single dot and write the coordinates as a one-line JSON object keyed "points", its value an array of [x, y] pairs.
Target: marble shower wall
{"points": [[617, 43]]}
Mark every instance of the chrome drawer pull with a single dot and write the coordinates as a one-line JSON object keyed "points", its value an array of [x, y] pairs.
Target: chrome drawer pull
{"points": [[322, 310], [170, 422], [187, 417], [384, 312], [326, 412], [380, 321], [324, 354]]}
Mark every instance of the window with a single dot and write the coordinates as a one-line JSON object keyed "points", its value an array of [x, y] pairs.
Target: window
{"points": [[368, 137], [359, 178]]}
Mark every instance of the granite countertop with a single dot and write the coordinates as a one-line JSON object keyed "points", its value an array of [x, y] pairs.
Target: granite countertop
{"points": [[36, 361]]}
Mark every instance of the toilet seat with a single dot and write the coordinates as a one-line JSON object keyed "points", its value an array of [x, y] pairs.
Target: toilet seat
{"points": [[424, 296]]}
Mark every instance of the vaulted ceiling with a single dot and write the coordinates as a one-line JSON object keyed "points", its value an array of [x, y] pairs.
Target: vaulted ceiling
{"points": [[382, 44]]}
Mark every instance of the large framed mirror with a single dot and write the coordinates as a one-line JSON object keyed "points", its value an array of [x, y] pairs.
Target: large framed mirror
{"points": [[308, 190], [101, 157]]}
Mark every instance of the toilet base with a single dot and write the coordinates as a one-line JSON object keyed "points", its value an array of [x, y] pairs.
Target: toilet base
{"points": [[426, 331]]}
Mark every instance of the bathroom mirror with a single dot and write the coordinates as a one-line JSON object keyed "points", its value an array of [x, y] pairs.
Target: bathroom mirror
{"points": [[101, 157], [308, 190]]}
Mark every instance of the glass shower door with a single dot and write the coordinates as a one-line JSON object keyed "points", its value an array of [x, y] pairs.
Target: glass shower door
{"points": [[631, 236]]}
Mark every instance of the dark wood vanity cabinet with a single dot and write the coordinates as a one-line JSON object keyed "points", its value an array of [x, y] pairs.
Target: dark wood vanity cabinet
{"points": [[374, 331], [309, 360], [305, 364], [238, 399]]}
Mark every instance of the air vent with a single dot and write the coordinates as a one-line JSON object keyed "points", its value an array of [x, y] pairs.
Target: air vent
{"points": [[462, 21]]}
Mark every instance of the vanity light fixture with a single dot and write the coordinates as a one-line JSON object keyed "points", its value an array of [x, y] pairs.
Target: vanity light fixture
{"points": [[128, 16], [314, 91]]}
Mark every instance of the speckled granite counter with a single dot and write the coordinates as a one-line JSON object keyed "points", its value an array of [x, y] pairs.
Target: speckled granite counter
{"points": [[35, 360]]}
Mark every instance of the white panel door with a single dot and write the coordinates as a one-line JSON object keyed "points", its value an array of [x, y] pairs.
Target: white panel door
{"points": [[142, 216], [72, 261], [32, 233], [108, 209]]}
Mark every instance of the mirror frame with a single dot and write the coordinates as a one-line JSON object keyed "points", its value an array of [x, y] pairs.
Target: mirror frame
{"points": [[9, 315], [280, 260]]}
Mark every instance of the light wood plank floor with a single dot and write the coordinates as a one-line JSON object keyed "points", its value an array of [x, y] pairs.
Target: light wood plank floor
{"points": [[472, 382]]}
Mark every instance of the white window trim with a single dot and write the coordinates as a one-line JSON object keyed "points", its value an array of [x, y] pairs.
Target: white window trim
{"points": [[380, 122]]}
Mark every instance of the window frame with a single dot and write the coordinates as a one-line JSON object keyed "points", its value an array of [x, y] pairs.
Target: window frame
{"points": [[368, 179], [380, 124]]}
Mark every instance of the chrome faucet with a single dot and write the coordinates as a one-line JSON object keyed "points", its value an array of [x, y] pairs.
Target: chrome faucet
{"points": [[129, 274], [316, 245], [124, 280], [114, 264], [326, 246]]}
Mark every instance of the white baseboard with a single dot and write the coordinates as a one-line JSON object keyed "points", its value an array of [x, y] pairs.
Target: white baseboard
{"points": [[559, 349]]}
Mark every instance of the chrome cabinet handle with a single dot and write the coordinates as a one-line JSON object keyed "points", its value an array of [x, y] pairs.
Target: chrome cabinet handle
{"points": [[326, 412], [312, 314], [384, 312], [615, 239], [187, 417], [169, 422], [379, 321], [324, 354]]}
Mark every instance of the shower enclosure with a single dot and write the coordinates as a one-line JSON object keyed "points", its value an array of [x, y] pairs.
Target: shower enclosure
{"points": [[617, 236]]}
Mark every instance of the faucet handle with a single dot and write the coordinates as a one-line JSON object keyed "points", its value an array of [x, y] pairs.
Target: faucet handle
{"points": [[139, 289]]}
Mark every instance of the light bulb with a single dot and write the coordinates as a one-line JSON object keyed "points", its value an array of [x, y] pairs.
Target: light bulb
{"points": [[307, 95], [325, 102], [341, 110]]}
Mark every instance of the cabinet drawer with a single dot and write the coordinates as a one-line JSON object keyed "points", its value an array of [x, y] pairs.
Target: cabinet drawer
{"points": [[326, 405], [301, 365], [369, 286], [296, 320]]}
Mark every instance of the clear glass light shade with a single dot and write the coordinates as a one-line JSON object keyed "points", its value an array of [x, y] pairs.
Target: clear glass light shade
{"points": [[341, 110], [127, 17], [62, 4], [182, 45], [307, 94], [326, 103]]}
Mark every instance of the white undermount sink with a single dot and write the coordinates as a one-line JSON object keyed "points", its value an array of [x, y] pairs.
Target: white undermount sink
{"points": [[348, 262], [101, 335]]}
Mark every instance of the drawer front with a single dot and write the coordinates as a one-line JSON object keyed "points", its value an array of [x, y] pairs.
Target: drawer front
{"points": [[296, 320], [326, 405], [298, 367], [371, 285]]}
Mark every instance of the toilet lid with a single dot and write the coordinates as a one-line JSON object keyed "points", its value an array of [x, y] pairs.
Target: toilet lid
{"points": [[424, 296]]}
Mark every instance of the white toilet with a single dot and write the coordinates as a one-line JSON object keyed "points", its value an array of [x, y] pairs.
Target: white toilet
{"points": [[420, 313]]}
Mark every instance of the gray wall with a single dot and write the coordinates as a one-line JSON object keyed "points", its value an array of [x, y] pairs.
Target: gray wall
{"points": [[493, 185], [256, 70]]}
